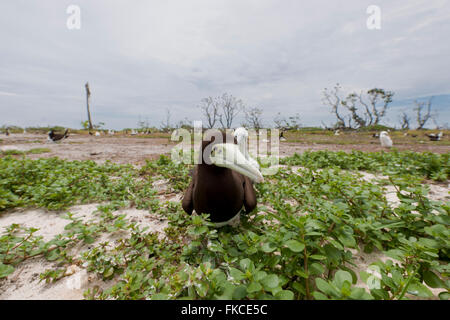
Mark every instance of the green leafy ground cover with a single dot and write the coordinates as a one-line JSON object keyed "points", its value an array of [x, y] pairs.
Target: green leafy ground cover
{"points": [[296, 245]]}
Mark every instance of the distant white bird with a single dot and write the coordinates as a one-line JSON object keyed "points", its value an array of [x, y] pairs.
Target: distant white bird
{"points": [[133, 132], [385, 140], [337, 132], [241, 135], [97, 134]]}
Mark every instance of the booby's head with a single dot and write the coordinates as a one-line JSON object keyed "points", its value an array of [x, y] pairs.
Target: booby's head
{"points": [[383, 133], [228, 155]]}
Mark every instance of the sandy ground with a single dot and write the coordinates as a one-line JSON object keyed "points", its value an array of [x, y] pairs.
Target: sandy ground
{"points": [[24, 282], [135, 150], [118, 149]]}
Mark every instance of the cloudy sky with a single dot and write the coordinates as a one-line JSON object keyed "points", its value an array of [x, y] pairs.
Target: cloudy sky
{"points": [[143, 57]]}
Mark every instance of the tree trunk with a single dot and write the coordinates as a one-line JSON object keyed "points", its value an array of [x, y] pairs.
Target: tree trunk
{"points": [[88, 96]]}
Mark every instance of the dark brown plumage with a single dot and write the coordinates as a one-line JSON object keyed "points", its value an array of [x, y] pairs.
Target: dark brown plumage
{"points": [[218, 191], [56, 137]]}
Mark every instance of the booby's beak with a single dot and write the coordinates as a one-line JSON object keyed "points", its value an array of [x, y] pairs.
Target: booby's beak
{"points": [[229, 156]]}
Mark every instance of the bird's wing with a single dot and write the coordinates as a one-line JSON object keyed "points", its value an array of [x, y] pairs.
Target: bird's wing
{"points": [[187, 203], [249, 195]]}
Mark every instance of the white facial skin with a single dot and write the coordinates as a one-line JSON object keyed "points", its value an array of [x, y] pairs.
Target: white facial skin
{"points": [[229, 156]]}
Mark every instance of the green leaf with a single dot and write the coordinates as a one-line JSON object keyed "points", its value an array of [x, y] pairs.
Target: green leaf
{"points": [[268, 247], [246, 264], [108, 272], [444, 295], [254, 287], [52, 255], [270, 281], [353, 274], [340, 277], [325, 287], [294, 245], [5, 270], [240, 292], [432, 280], [317, 257], [319, 296], [418, 289], [395, 254], [285, 295], [236, 274], [360, 294], [316, 269], [260, 275], [160, 296]]}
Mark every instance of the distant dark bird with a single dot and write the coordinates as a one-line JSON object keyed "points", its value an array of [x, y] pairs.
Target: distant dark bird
{"points": [[414, 135], [57, 137], [7, 131], [375, 135], [221, 183], [282, 138], [435, 137]]}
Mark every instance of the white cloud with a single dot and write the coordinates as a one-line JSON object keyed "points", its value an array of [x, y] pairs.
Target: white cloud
{"points": [[142, 57]]}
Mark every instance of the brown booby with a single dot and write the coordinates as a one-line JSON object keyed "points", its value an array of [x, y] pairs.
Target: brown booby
{"points": [[221, 183], [52, 136]]}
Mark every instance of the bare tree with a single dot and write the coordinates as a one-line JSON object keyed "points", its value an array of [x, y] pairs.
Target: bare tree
{"points": [[165, 125], [230, 108], [333, 99], [292, 122], [375, 106], [404, 121], [280, 121], [210, 109], [143, 125], [377, 95], [350, 103], [253, 117], [185, 124], [422, 118], [88, 97]]}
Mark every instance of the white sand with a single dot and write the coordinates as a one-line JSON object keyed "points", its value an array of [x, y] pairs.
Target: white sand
{"points": [[24, 283]]}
